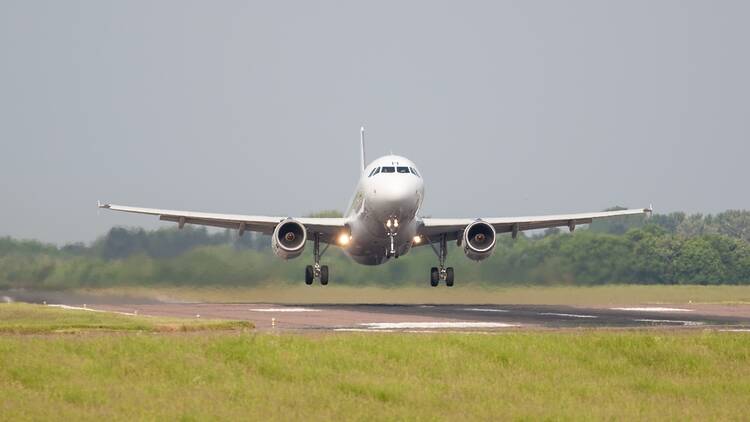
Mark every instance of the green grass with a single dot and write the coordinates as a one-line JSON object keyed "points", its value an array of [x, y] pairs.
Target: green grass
{"points": [[461, 293], [20, 318], [585, 375], [124, 367]]}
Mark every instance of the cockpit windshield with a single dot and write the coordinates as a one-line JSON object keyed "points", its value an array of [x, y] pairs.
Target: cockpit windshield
{"points": [[392, 169]]}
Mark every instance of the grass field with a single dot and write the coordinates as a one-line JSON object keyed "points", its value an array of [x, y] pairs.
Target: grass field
{"points": [[469, 293], [20, 318], [240, 375]]}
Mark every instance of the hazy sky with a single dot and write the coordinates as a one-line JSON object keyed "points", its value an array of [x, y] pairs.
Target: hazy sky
{"points": [[508, 108]]}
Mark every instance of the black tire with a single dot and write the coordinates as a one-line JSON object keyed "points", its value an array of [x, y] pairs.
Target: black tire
{"points": [[449, 277], [434, 276], [324, 275], [309, 275]]}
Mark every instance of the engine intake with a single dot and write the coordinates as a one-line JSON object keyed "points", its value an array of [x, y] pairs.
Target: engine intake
{"points": [[479, 240], [288, 240]]}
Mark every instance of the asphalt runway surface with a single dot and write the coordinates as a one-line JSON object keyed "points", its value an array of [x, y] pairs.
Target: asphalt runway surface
{"points": [[418, 317]]}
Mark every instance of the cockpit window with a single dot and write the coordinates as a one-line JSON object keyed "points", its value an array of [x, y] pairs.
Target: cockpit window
{"points": [[374, 171], [403, 169], [413, 170], [388, 170]]}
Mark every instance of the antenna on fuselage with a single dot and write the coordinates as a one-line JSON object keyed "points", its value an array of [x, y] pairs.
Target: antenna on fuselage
{"points": [[362, 147]]}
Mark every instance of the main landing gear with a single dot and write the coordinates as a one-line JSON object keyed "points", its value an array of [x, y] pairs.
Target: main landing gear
{"points": [[441, 272], [316, 270]]}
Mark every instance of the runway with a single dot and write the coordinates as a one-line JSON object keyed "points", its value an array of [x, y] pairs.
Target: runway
{"points": [[423, 317], [378, 317]]}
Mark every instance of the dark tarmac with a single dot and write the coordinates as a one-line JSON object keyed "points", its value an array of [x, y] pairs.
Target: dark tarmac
{"points": [[425, 317]]}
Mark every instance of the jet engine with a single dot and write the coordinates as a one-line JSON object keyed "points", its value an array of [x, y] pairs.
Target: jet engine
{"points": [[288, 240], [479, 240]]}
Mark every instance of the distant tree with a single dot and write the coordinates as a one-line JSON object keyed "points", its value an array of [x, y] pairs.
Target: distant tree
{"points": [[253, 241], [699, 263], [734, 223], [78, 248], [617, 225], [672, 248], [121, 242], [694, 225], [24, 247], [668, 222], [552, 231]]}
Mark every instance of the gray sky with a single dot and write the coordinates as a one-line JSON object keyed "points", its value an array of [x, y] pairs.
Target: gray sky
{"points": [[508, 108]]}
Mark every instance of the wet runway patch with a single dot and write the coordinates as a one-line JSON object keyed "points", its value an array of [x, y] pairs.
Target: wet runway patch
{"points": [[567, 315], [428, 325], [485, 310], [652, 309], [284, 310]]}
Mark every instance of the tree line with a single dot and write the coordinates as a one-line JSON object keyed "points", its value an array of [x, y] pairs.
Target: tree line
{"points": [[664, 249]]}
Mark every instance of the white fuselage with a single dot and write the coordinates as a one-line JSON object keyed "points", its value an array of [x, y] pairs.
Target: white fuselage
{"points": [[395, 192]]}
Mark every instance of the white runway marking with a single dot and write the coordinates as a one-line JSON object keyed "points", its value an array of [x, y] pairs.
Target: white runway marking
{"points": [[283, 310], [485, 310], [737, 330], [568, 315], [653, 309], [361, 330], [79, 308], [427, 325], [669, 321], [75, 308]]}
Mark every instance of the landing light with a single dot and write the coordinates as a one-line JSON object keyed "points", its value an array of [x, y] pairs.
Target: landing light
{"points": [[388, 223], [344, 239], [417, 240]]}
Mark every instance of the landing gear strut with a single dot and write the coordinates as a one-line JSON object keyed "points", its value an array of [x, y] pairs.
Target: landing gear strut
{"points": [[441, 272], [392, 231], [316, 270]]}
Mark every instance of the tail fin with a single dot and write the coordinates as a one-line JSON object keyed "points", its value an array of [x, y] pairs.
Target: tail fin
{"points": [[362, 147]]}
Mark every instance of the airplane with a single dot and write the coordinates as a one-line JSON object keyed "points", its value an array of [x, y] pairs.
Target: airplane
{"points": [[381, 223]]}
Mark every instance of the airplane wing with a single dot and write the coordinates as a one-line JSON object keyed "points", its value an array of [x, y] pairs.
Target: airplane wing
{"points": [[453, 227], [327, 227]]}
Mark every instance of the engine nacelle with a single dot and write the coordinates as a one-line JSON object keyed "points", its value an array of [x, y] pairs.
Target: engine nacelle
{"points": [[479, 240], [288, 240]]}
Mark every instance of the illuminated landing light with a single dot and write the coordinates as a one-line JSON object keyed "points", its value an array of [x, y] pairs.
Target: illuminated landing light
{"points": [[395, 223], [388, 224], [344, 239], [417, 240]]}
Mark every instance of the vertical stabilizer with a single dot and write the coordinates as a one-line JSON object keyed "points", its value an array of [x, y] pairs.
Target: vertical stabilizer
{"points": [[362, 147]]}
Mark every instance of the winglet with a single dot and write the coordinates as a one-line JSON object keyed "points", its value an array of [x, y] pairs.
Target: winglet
{"points": [[100, 205], [362, 147], [649, 210]]}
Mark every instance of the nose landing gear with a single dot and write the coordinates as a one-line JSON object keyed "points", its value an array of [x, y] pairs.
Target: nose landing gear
{"points": [[392, 227], [441, 272], [316, 270]]}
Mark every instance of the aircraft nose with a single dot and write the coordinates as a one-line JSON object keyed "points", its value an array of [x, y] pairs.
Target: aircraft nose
{"points": [[395, 199], [394, 193]]}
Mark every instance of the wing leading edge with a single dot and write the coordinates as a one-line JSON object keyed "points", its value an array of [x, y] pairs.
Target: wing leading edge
{"points": [[454, 226], [328, 227]]}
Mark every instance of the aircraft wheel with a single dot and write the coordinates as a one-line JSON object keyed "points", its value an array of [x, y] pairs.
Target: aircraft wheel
{"points": [[309, 275], [324, 275], [449, 277], [434, 276]]}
